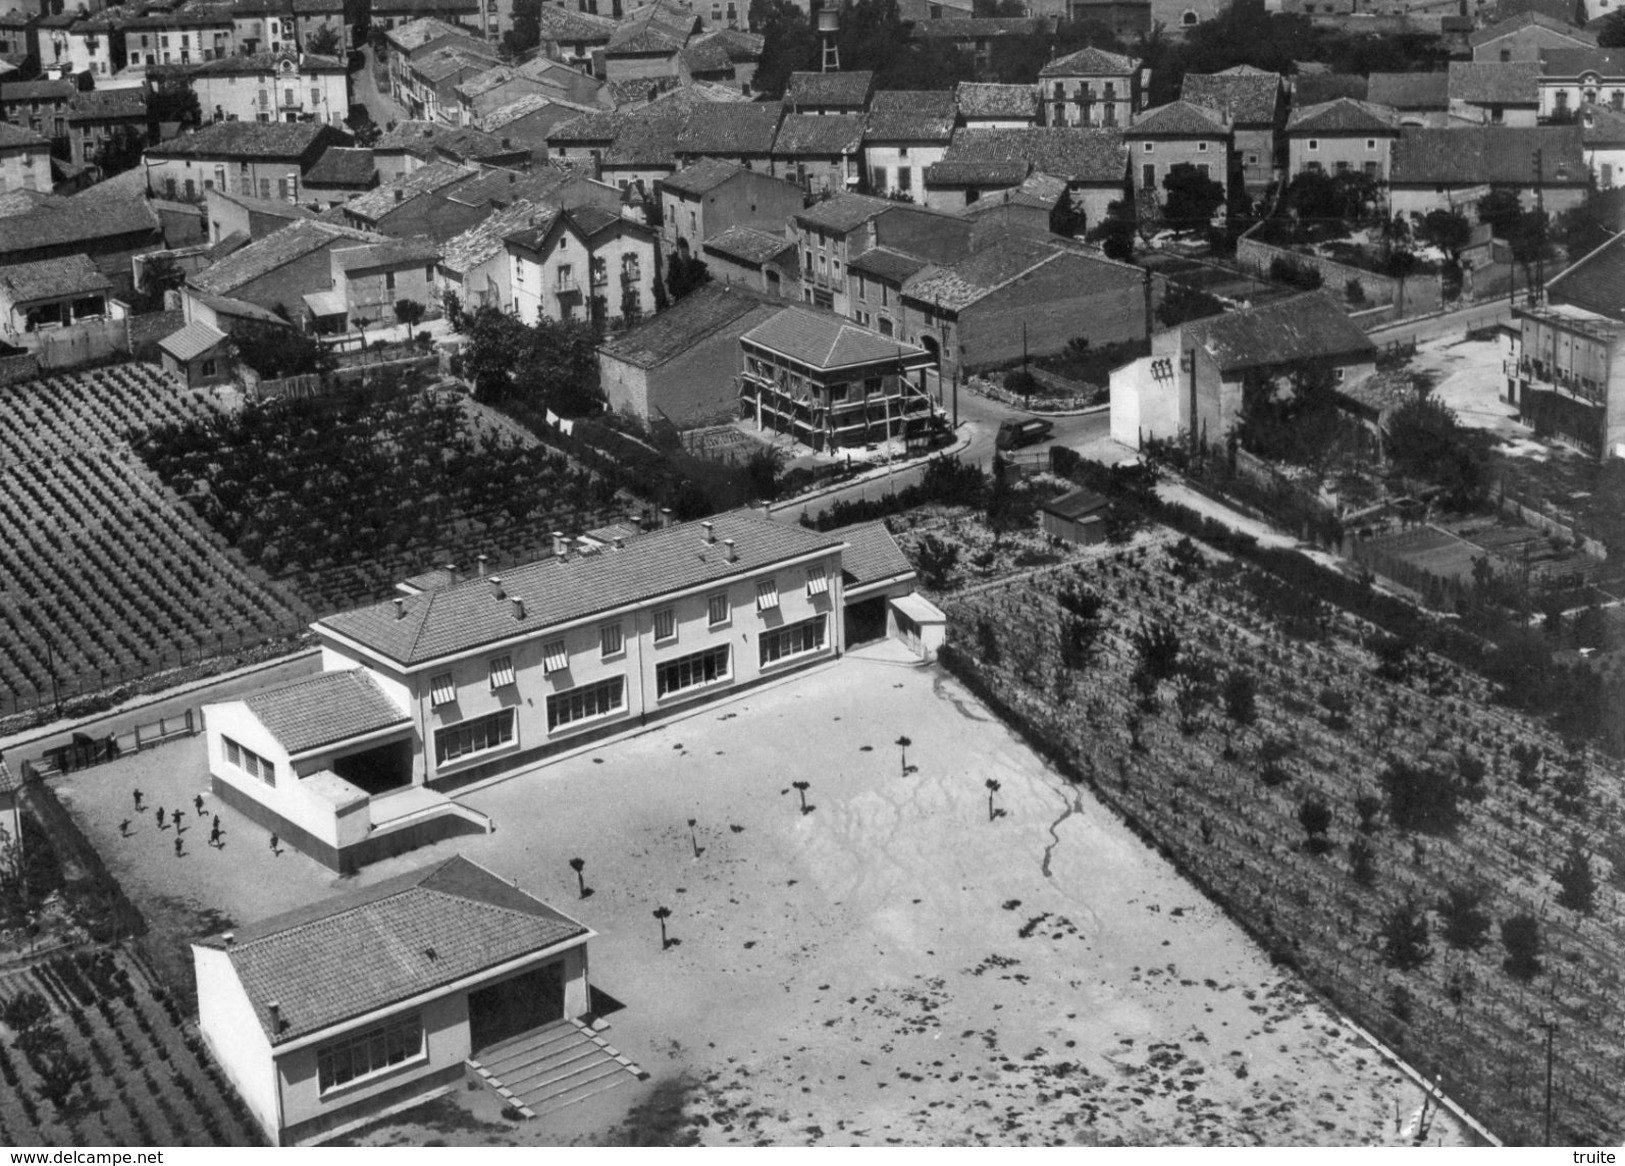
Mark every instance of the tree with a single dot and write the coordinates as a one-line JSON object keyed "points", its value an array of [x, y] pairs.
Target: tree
{"points": [[762, 469], [1611, 32], [1158, 648], [60, 1073], [526, 33], [663, 914], [578, 865], [1115, 233], [1448, 230], [1240, 696], [1404, 937], [685, 274], [1192, 198], [1421, 795], [1007, 509], [992, 785], [274, 353], [1182, 303], [1577, 885], [1362, 862], [174, 103], [1315, 816], [1520, 935], [1502, 210], [326, 41], [936, 559], [121, 151], [788, 44], [409, 312], [1463, 922]]}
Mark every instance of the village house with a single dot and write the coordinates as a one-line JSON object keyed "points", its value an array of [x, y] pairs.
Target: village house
{"points": [[702, 199], [976, 36], [41, 106], [1525, 36], [111, 233], [1494, 93], [287, 25], [50, 294], [763, 261], [73, 46], [829, 93], [19, 39], [250, 157], [282, 86], [1570, 78], [502, 85], [820, 153], [1092, 162], [585, 264], [828, 235], [679, 365], [1177, 134], [474, 265], [1602, 134], [1192, 384], [1440, 169], [372, 998], [1342, 136], [741, 132], [275, 272], [1077, 517], [368, 280], [413, 42], [340, 174], [1090, 87], [908, 132], [25, 160], [242, 214], [182, 37], [412, 144], [1253, 102], [984, 105], [416, 203], [102, 118], [1420, 99], [390, 15], [529, 123], [572, 37]]}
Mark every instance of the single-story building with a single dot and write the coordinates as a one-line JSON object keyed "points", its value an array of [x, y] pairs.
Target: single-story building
{"points": [[195, 355], [343, 1008], [52, 293], [1077, 517]]}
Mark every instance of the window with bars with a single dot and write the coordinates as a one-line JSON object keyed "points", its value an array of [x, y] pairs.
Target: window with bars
{"points": [[719, 611], [249, 762], [442, 689], [470, 737], [554, 656], [795, 640], [374, 1050], [692, 671], [501, 672], [767, 595], [665, 624], [586, 703], [609, 640], [817, 581]]}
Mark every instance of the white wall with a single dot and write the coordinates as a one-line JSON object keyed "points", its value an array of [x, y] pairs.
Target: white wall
{"points": [[1142, 406], [232, 1030]]}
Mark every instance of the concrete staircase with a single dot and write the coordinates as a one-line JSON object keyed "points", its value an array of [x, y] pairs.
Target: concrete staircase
{"points": [[552, 1067]]}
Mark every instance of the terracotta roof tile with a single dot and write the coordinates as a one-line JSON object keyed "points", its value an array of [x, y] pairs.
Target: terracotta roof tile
{"points": [[1091, 62], [322, 709], [275, 250], [747, 244], [823, 341], [72, 275], [731, 128], [1410, 90], [1474, 155], [1178, 119], [1495, 83], [986, 99], [803, 135], [1342, 116], [1297, 328], [871, 554], [826, 89], [1247, 99], [1074, 153], [711, 309]]}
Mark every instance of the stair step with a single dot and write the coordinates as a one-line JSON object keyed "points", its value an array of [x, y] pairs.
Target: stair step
{"points": [[520, 1076], [534, 1036], [541, 1100], [547, 1076], [597, 1087], [541, 1051]]}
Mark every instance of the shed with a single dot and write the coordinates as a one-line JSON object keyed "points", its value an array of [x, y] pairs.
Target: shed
{"points": [[194, 355], [1077, 517], [919, 624]]}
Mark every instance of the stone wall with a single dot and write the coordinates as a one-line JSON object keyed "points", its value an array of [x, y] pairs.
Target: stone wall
{"points": [[1419, 293]]}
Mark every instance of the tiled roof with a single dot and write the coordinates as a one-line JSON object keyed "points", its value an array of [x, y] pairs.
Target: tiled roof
{"points": [[245, 139], [888, 264], [483, 241], [496, 120], [465, 616], [699, 177], [1497, 83], [563, 24], [590, 128], [276, 207], [260, 63], [9, 782], [416, 251], [240, 309], [1595, 282], [1317, 89], [71, 275], [820, 340], [355, 953], [108, 103], [422, 138], [711, 55], [986, 99], [1343, 116], [1090, 62], [275, 250], [1298, 328], [343, 166], [22, 202], [871, 554], [1409, 90], [585, 220], [322, 709], [76, 222], [957, 28], [414, 34], [927, 101], [747, 244], [1043, 191], [843, 213], [902, 126], [504, 187], [957, 286], [1568, 11], [1074, 503], [1075, 153], [1246, 98], [29, 90], [809, 135], [191, 341], [1573, 62], [1601, 126], [1523, 20], [450, 60], [375, 204], [731, 128], [1474, 155], [1008, 172], [701, 314], [1178, 119], [12, 137], [455, 7], [825, 89]]}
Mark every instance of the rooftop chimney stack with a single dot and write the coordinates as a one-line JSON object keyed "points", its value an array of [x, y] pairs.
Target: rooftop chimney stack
{"points": [[518, 608], [496, 586], [451, 571], [710, 532], [400, 609], [620, 542], [665, 517], [767, 510], [482, 565], [400, 195], [733, 555], [559, 547], [275, 1009], [230, 937]]}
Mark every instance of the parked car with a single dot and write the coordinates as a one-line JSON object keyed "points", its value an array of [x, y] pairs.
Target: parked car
{"points": [[1015, 434]]}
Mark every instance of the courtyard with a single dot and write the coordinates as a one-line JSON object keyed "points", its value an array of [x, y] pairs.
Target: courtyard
{"points": [[915, 958]]}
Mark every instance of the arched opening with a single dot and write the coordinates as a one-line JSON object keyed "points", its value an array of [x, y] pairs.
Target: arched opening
{"points": [[1189, 17]]}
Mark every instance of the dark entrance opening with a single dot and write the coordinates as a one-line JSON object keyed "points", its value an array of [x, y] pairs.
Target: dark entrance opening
{"points": [[379, 769], [516, 1006], [865, 621]]}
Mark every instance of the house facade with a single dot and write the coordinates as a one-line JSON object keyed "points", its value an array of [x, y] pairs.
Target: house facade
{"points": [[1090, 87], [1253, 102], [1342, 136], [1440, 169], [25, 160], [585, 264], [265, 159], [41, 297], [907, 133], [820, 153], [281, 86], [1525, 36], [1177, 134], [1570, 78], [709, 196]]}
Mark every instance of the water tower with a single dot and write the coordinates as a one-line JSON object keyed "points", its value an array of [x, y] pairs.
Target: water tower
{"points": [[829, 23]]}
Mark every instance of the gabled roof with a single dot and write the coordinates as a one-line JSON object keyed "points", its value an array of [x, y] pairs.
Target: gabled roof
{"points": [[1075, 153], [1410, 91], [824, 89], [872, 555], [450, 60], [275, 207], [887, 264], [323, 709], [1595, 282], [28, 90], [375, 204], [1497, 83], [986, 99], [468, 615], [1075, 504], [464, 143], [1179, 119], [699, 178], [191, 341], [245, 139], [108, 103], [71, 275], [811, 135], [503, 116], [355, 953], [1476, 155], [416, 251], [414, 34], [275, 250], [1248, 97], [13, 137], [729, 128], [1297, 328], [1524, 20], [76, 222], [484, 241], [1343, 116], [911, 126], [842, 213], [1319, 88], [586, 221], [1574, 62], [747, 244], [343, 166], [954, 287], [570, 26], [924, 101], [1600, 126], [820, 340], [1090, 62], [238, 309], [1039, 190], [701, 314]]}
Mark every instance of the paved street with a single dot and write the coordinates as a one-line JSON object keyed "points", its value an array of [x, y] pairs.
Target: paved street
{"points": [[1457, 323], [364, 91]]}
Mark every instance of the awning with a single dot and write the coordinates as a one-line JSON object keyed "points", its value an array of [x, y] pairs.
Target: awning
{"points": [[327, 303], [919, 609]]}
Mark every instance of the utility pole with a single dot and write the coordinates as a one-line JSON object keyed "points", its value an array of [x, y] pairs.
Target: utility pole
{"points": [[1539, 284]]}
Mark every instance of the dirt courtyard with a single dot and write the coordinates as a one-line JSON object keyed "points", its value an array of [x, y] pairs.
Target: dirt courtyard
{"points": [[890, 966]]}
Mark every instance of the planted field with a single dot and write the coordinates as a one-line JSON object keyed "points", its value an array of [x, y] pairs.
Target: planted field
{"points": [[1363, 811], [102, 578], [91, 1054], [343, 496]]}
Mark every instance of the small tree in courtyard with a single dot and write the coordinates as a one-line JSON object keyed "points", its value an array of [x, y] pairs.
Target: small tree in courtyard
{"points": [[409, 312]]}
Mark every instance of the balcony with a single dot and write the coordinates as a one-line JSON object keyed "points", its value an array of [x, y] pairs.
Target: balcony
{"points": [[631, 275], [566, 285], [600, 278]]}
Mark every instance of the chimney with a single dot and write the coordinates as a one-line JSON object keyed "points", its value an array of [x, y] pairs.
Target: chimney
{"points": [[275, 1009], [620, 542], [230, 937], [665, 517], [733, 555], [482, 559], [507, 144], [400, 609], [518, 608], [767, 510], [451, 572], [710, 532], [560, 549], [496, 586], [400, 195]]}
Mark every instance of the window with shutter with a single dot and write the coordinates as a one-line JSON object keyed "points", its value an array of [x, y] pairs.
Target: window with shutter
{"points": [[665, 625], [719, 610], [817, 581], [501, 671], [442, 689], [767, 595], [554, 657], [609, 640]]}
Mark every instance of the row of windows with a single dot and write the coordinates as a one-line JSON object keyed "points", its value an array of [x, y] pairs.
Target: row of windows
{"points": [[796, 640], [249, 762], [361, 1055], [1313, 145], [692, 671], [476, 736], [1151, 147], [590, 701]]}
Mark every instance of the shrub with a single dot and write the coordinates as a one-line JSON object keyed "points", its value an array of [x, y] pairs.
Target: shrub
{"points": [[25, 1010], [1520, 935], [1465, 925], [1240, 695], [1404, 937], [1355, 290], [1577, 885], [1295, 273], [1421, 797]]}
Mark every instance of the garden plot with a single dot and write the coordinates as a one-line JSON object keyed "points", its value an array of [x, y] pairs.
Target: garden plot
{"points": [[897, 964]]}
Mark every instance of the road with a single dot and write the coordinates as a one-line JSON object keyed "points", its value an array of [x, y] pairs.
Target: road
{"points": [[1459, 322], [381, 107]]}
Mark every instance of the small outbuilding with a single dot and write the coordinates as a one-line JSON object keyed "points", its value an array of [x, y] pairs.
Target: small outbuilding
{"points": [[196, 355], [1077, 517]]}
